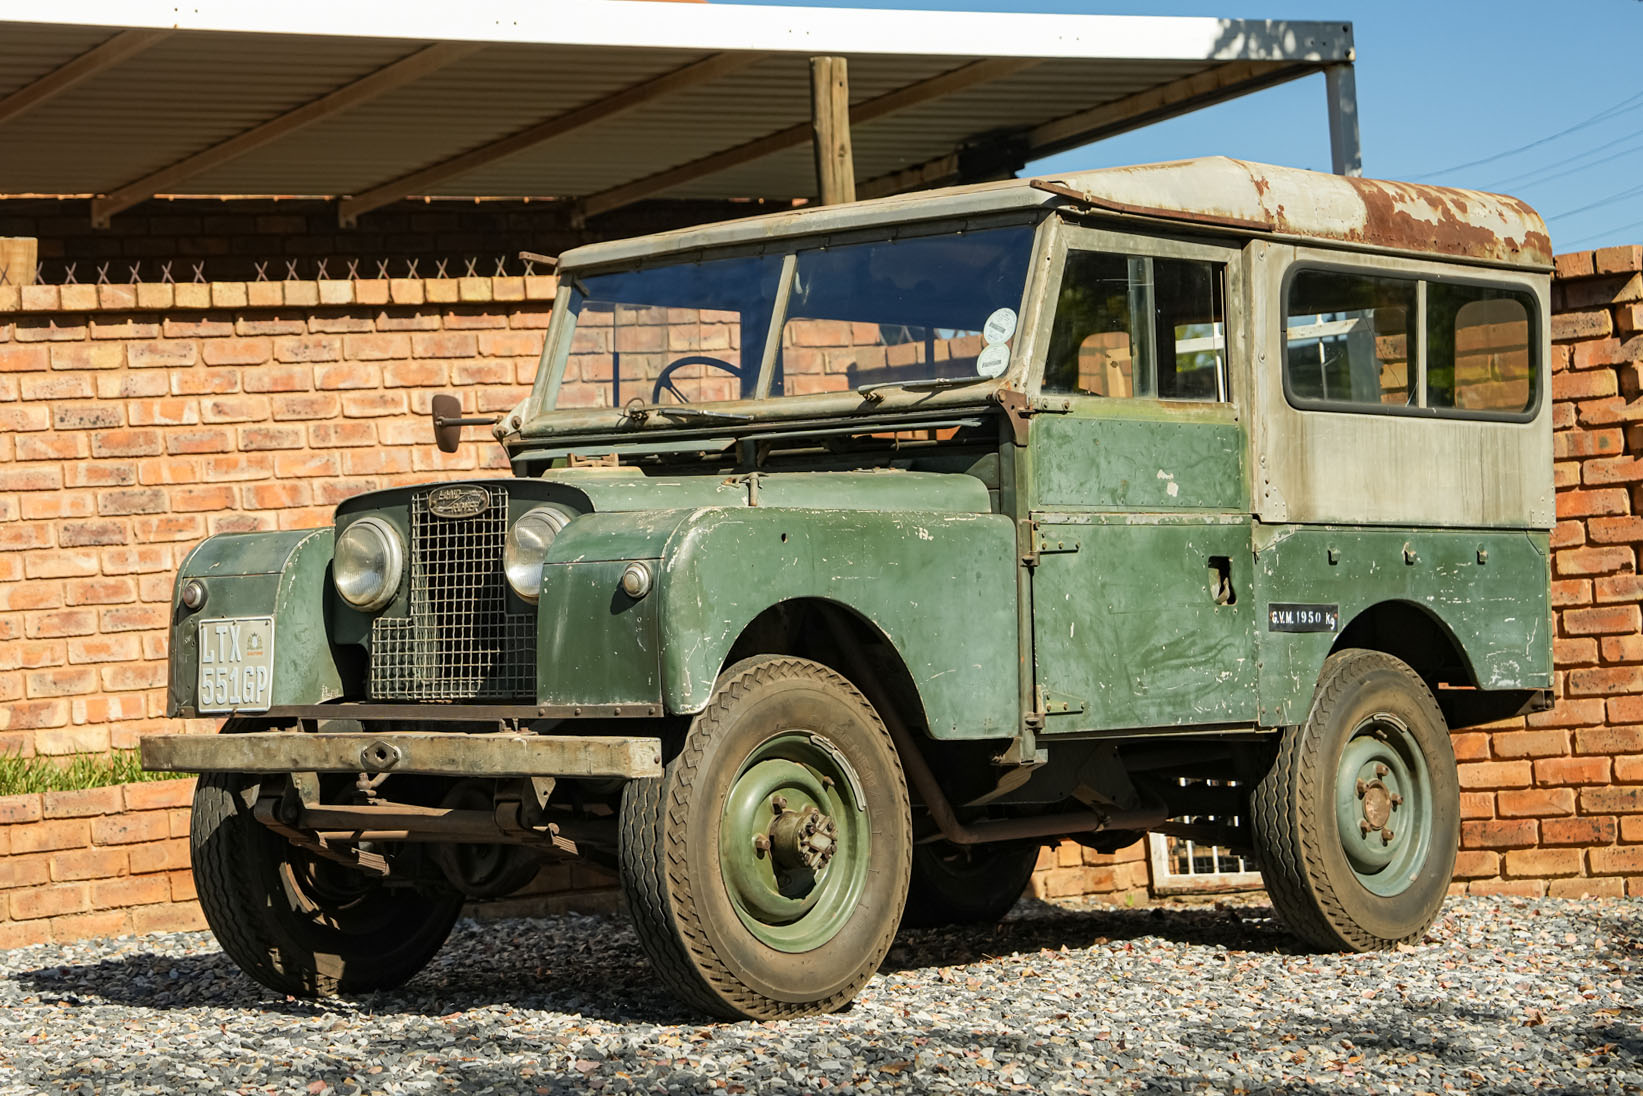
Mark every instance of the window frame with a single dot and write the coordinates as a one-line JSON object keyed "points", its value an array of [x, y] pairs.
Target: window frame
{"points": [[1071, 236], [1418, 350]]}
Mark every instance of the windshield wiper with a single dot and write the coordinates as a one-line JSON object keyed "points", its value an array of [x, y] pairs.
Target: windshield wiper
{"points": [[872, 392], [642, 412]]}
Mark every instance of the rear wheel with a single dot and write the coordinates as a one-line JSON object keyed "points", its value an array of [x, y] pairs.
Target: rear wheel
{"points": [[767, 867], [966, 884], [1358, 820], [298, 923]]}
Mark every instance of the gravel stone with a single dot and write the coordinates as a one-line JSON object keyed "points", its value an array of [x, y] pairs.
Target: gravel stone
{"points": [[1505, 995]]}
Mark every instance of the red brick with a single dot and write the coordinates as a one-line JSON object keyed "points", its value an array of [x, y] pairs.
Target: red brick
{"points": [[171, 917], [376, 347], [19, 808], [1607, 470], [1608, 620], [308, 348], [157, 856], [82, 926], [1495, 774], [50, 836], [1602, 682], [236, 351], [1536, 802], [1518, 888], [132, 890], [330, 435], [280, 378], [1586, 503], [1521, 863], [1568, 326], [190, 499], [1612, 740], [123, 829], [317, 406], [1628, 768], [49, 901], [1611, 800], [1617, 860], [1585, 888], [170, 411], [133, 500], [1577, 831], [121, 648], [1514, 744], [202, 440], [1618, 260], [1522, 833], [23, 359], [126, 443], [82, 864], [1473, 746], [1477, 864], [1594, 561], [88, 355], [1623, 648], [217, 409], [169, 354], [1477, 804]]}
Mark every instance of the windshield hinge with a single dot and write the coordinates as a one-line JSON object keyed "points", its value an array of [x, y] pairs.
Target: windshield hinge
{"points": [[1019, 409]]}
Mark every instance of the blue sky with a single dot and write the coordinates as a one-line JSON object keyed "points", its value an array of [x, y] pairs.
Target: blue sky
{"points": [[1441, 84]]}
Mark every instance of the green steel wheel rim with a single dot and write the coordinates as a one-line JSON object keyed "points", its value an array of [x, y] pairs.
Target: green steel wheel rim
{"points": [[794, 839], [1383, 805]]}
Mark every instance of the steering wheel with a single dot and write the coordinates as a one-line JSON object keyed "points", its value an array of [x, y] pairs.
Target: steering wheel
{"points": [[664, 379]]}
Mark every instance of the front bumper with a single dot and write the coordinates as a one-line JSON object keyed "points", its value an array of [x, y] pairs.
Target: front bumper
{"points": [[494, 754]]}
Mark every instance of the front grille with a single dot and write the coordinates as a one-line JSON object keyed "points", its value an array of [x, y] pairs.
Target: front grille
{"points": [[460, 642]]}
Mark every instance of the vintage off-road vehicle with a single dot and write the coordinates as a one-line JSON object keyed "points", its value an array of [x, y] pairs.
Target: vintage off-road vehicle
{"points": [[853, 553]]}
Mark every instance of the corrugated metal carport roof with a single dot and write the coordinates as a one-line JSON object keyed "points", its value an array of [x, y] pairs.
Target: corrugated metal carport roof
{"points": [[602, 101]]}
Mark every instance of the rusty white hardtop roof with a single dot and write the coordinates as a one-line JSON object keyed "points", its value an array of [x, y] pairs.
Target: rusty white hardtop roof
{"points": [[1215, 191]]}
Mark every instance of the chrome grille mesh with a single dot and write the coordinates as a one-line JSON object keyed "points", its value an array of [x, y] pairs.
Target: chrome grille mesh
{"points": [[459, 642]]}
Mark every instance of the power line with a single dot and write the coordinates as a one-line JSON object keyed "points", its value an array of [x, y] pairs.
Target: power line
{"points": [[1621, 107], [1609, 233], [1600, 202], [1529, 177]]}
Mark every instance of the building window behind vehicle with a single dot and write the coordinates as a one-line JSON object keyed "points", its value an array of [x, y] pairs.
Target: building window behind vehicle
{"points": [[1477, 349], [1347, 338], [1137, 326], [917, 309], [687, 333]]}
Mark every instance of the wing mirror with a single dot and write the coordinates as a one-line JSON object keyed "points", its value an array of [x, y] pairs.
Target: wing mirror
{"points": [[449, 421]]}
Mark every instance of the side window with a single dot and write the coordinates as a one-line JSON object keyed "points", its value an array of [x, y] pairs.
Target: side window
{"points": [[1477, 349], [1137, 326], [1347, 338]]}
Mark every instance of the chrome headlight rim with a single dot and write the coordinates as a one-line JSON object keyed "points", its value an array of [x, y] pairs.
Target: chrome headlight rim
{"points": [[522, 558], [393, 565]]}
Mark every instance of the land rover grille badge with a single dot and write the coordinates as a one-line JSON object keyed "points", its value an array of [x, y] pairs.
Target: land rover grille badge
{"points": [[458, 502]]}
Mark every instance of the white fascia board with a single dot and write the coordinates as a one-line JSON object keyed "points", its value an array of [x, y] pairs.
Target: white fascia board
{"points": [[644, 24]]}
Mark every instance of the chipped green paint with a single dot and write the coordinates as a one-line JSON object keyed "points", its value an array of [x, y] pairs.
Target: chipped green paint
{"points": [[1497, 610], [939, 586], [1176, 461], [286, 575]]}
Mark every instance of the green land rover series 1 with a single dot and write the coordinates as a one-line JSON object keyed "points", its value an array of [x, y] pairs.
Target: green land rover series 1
{"points": [[852, 554]]}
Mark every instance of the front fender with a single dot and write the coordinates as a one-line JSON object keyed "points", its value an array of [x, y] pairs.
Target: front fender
{"points": [[285, 575], [941, 587]]}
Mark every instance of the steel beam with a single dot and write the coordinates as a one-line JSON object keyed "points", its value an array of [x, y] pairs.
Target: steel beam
{"points": [[383, 80], [965, 76], [418, 182], [1345, 148], [1212, 85], [98, 58]]}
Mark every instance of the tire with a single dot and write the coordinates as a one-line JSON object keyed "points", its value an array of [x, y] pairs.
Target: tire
{"points": [[298, 924], [966, 884], [744, 932], [1357, 821]]}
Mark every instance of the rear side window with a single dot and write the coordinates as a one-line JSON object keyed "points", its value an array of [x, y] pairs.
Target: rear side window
{"points": [[1347, 338], [1478, 355], [1351, 342]]}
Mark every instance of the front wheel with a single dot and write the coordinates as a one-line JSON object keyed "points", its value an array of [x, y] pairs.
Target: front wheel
{"points": [[297, 923], [1357, 822], [766, 868]]}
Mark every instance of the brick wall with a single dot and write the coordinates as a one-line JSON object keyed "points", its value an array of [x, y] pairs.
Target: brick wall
{"points": [[135, 420], [1553, 803]]}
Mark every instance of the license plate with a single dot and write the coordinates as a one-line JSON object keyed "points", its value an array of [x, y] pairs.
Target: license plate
{"points": [[236, 664]]}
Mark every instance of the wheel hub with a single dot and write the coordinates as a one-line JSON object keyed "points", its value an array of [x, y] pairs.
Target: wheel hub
{"points": [[803, 839], [1377, 805]]}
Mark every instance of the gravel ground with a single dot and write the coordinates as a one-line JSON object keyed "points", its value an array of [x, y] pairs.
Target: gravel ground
{"points": [[1506, 995]]}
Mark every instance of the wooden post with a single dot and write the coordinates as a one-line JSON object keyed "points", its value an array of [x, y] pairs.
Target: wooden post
{"points": [[830, 126], [18, 256]]}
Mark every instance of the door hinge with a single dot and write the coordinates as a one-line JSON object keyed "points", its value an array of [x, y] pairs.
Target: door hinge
{"points": [[1019, 409]]}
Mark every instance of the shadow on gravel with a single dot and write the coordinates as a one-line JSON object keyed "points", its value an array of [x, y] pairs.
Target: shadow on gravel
{"points": [[593, 965]]}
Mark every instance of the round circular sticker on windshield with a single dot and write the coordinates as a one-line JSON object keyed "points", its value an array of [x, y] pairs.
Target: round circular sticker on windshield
{"points": [[993, 361], [999, 326]]}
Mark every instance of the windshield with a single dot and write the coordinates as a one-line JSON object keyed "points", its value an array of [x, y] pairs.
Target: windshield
{"points": [[874, 313]]}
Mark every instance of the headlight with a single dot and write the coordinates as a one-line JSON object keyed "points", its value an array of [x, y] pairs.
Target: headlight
{"points": [[527, 547], [366, 566]]}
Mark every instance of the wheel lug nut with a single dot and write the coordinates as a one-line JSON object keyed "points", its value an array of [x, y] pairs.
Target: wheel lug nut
{"points": [[1361, 788], [780, 803], [1386, 835], [1397, 800], [762, 843], [1381, 770], [1364, 827]]}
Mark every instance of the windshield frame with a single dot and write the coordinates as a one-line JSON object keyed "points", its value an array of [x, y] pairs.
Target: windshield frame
{"points": [[542, 419]]}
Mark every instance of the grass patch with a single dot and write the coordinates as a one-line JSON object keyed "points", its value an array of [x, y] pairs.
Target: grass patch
{"points": [[26, 775]]}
